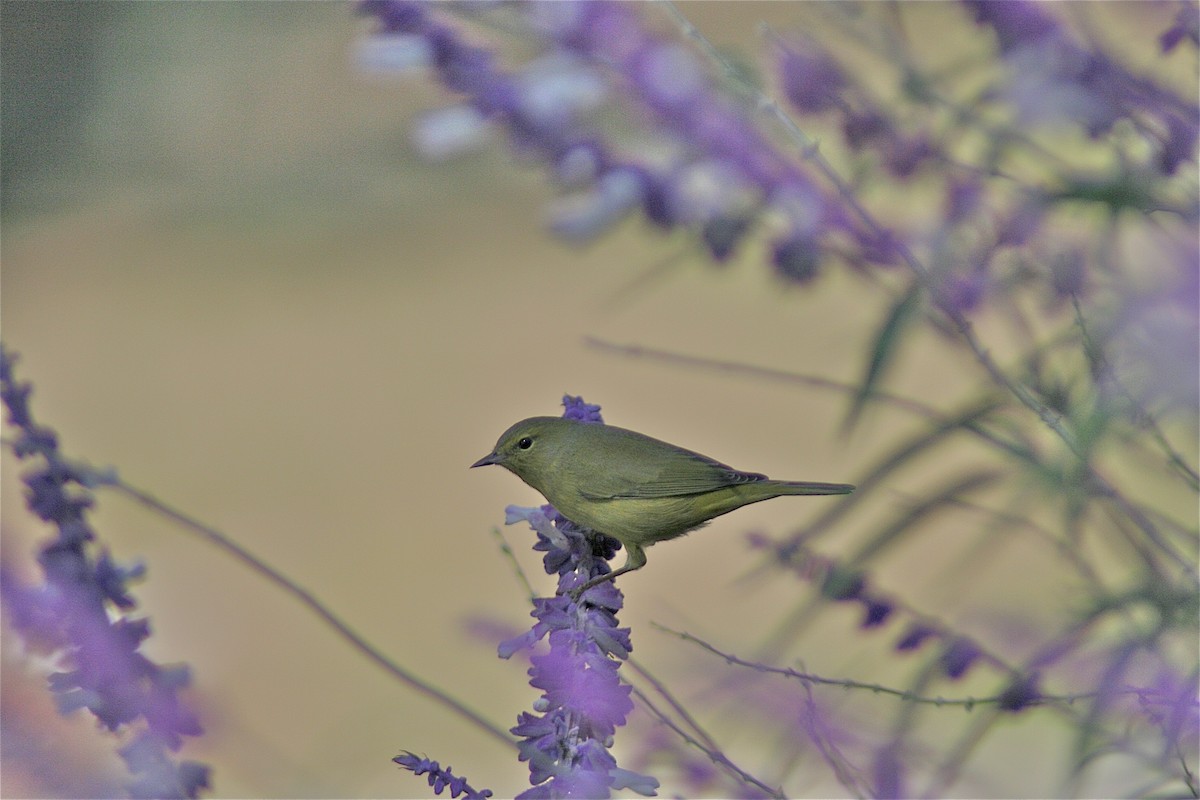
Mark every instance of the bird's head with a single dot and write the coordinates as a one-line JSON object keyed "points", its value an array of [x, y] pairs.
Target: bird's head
{"points": [[528, 448]]}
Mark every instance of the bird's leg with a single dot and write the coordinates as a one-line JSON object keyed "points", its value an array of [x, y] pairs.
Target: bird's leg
{"points": [[635, 558]]}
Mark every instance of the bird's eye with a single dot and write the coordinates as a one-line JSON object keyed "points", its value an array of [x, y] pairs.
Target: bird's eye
{"points": [[525, 443]]}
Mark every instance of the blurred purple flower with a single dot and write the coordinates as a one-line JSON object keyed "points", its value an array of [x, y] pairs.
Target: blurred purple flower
{"points": [[963, 292], [814, 83], [963, 197], [915, 636], [812, 80], [589, 213], [958, 657], [1068, 273], [881, 249], [1186, 26], [702, 163], [1019, 224], [77, 613], [877, 611], [723, 234], [1154, 350], [904, 154], [1172, 704], [1055, 77], [797, 259], [864, 126], [889, 774], [157, 775]]}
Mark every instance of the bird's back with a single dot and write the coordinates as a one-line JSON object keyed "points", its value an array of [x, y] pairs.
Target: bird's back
{"points": [[640, 489]]}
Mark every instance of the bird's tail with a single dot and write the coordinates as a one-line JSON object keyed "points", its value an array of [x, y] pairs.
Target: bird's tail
{"points": [[803, 487]]}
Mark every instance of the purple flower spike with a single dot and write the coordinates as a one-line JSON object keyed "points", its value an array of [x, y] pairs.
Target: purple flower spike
{"points": [[1055, 77], [583, 701], [440, 778], [709, 168], [576, 408], [78, 612]]}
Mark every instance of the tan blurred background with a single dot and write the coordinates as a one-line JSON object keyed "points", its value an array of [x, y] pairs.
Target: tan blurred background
{"points": [[228, 274]]}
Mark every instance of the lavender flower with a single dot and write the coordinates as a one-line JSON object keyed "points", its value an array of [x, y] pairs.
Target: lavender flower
{"points": [[440, 778], [583, 701], [77, 614], [1055, 77], [714, 172], [814, 83]]}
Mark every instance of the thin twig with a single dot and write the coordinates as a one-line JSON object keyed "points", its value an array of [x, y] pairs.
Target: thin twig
{"points": [[508, 553], [815, 381], [875, 688], [678, 707], [343, 629], [716, 756], [845, 683], [754, 371]]}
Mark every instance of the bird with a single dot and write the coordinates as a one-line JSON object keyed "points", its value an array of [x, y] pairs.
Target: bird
{"points": [[637, 489]]}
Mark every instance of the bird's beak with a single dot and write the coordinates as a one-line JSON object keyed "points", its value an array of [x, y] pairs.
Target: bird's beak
{"points": [[490, 458]]}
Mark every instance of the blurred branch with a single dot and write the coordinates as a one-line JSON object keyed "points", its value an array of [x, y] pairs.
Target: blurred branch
{"points": [[1141, 417], [815, 381], [753, 371], [702, 740], [846, 683], [945, 497], [716, 756], [962, 327], [507, 551], [306, 598]]}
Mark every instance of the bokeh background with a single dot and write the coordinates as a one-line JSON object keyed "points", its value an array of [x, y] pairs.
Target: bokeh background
{"points": [[229, 274]]}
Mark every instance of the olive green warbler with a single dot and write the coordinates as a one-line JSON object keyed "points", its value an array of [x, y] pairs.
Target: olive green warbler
{"points": [[629, 486]]}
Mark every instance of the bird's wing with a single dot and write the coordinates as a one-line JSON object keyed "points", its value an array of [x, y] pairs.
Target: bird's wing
{"points": [[682, 473]]}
